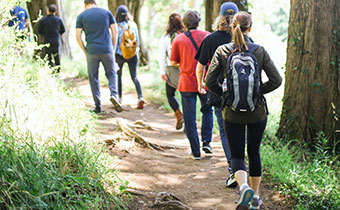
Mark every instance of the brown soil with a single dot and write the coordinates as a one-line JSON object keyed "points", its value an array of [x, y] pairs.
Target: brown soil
{"points": [[198, 184]]}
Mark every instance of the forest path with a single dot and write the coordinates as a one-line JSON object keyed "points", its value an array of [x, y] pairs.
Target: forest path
{"points": [[198, 184]]}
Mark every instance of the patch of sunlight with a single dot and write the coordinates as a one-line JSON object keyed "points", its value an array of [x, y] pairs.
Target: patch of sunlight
{"points": [[166, 179], [201, 176], [208, 202]]}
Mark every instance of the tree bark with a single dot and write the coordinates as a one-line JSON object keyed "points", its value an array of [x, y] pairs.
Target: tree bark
{"points": [[311, 101], [134, 7], [66, 49], [37, 9], [212, 9]]}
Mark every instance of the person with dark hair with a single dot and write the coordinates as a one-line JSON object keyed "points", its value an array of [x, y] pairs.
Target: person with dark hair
{"points": [[51, 28], [183, 51], [221, 36], [243, 59], [97, 23], [126, 25], [20, 21], [175, 27]]}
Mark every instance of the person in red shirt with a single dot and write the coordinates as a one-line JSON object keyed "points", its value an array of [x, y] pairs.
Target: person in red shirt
{"points": [[183, 51]]}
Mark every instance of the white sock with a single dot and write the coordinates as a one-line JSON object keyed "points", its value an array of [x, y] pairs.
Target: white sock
{"points": [[243, 185], [256, 197]]}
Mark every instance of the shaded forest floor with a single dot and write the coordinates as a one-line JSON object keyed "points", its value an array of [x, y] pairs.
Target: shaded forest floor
{"points": [[199, 185]]}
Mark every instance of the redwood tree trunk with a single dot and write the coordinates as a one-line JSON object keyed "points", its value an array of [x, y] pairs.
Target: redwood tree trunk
{"points": [[39, 7], [135, 7], [212, 9], [312, 90]]}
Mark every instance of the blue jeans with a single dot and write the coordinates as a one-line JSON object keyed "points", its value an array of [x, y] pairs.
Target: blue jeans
{"points": [[189, 114], [223, 137], [108, 61]]}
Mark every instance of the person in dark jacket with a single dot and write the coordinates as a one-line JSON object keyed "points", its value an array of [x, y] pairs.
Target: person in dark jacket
{"points": [[51, 28], [236, 123]]}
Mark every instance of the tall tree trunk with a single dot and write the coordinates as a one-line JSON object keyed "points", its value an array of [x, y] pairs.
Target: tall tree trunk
{"points": [[312, 90], [212, 9], [66, 49], [209, 19], [135, 7], [37, 9]]}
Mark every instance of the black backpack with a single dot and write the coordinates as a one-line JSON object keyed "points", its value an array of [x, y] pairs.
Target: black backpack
{"points": [[241, 86]]}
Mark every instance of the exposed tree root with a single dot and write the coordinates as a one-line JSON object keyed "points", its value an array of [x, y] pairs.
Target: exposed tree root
{"points": [[124, 127], [142, 125], [168, 201]]}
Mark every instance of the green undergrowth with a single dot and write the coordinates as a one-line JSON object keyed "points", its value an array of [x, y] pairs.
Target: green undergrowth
{"points": [[310, 179], [49, 157]]}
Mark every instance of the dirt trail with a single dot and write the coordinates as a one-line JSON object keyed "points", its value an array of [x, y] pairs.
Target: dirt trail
{"points": [[198, 184]]}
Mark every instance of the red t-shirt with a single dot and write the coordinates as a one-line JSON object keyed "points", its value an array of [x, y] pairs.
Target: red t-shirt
{"points": [[183, 52]]}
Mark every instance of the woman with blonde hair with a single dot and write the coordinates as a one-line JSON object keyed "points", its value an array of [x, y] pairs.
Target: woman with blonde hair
{"points": [[237, 121], [204, 55]]}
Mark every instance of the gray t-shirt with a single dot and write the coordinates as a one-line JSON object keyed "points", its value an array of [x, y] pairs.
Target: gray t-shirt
{"points": [[95, 22]]}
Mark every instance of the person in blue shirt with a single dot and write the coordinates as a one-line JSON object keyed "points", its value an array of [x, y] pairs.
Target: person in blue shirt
{"points": [[51, 27], [19, 20], [124, 22], [97, 23]]}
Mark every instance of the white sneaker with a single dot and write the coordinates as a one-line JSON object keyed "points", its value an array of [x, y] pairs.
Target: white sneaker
{"points": [[231, 181], [194, 157]]}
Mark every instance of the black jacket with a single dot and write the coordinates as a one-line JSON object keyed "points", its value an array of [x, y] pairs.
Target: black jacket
{"points": [[51, 27]]}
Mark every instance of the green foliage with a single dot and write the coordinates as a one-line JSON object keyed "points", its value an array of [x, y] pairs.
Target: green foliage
{"points": [[309, 178], [47, 138]]}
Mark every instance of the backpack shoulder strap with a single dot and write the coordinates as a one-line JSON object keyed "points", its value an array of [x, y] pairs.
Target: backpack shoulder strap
{"points": [[189, 35], [252, 47], [122, 27], [230, 47]]}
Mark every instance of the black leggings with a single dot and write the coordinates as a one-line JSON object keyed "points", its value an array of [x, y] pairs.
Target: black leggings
{"points": [[132, 63], [170, 94], [236, 140]]}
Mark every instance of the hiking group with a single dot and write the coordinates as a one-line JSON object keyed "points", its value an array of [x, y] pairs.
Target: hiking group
{"points": [[222, 69]]}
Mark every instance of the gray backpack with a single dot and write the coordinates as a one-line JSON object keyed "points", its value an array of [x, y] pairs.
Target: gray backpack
{"points": [[241, 86]]}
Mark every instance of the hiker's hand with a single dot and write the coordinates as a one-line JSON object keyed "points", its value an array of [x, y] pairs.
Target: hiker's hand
{"points": [[164, 77], [201, 89]]}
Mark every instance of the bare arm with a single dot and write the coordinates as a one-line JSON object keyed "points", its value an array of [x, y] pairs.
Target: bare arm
{"points": [[79, 40], [199, 77], [114, 31]]}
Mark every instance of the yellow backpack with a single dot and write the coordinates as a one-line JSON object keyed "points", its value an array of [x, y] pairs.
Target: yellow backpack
{"points": [[128, 44]]}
